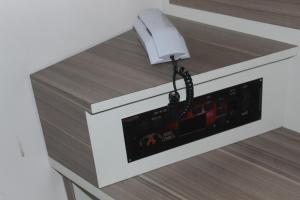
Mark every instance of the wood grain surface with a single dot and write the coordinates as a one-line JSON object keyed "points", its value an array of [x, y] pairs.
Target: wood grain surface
{"points": [[55, 99], [279, 12], [65, 131], [120, 66], [69, 186], [69, 189], [60, 120], [70, 152], [265, 167]]}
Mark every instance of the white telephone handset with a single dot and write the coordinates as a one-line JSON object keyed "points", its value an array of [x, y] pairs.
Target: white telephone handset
{"points": [[159, 37], [164, 43]]}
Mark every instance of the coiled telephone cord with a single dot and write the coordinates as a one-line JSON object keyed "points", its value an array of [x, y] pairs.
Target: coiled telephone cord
{"points": [[174, 97]]}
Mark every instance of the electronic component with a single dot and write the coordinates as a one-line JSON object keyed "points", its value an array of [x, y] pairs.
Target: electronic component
{"points": [[153, 132]]}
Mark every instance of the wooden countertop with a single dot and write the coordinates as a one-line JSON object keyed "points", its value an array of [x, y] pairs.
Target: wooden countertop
{"points": [[282, 13], [263, 167], [119, 67]]}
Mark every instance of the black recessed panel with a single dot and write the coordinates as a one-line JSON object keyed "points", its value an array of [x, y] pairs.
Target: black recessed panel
{"points": [[151, 132]]}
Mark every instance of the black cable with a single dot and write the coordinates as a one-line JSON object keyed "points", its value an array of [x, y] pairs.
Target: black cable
{"points": [[174, 96], [175, 69], [189, 90]]}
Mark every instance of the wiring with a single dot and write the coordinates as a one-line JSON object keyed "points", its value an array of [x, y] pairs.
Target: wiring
{"points": [[174, 96]]}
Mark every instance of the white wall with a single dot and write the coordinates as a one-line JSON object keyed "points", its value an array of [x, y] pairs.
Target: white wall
{"points": [[279, 33], [33, 35]]}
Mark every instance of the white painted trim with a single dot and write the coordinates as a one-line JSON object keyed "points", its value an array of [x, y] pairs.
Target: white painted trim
{"points": [[292, 106], [197, 79], [79, 181], [79, 194]]}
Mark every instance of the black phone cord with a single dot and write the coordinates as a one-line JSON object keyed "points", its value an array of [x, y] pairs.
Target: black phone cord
{"points": [[174, 96]]}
